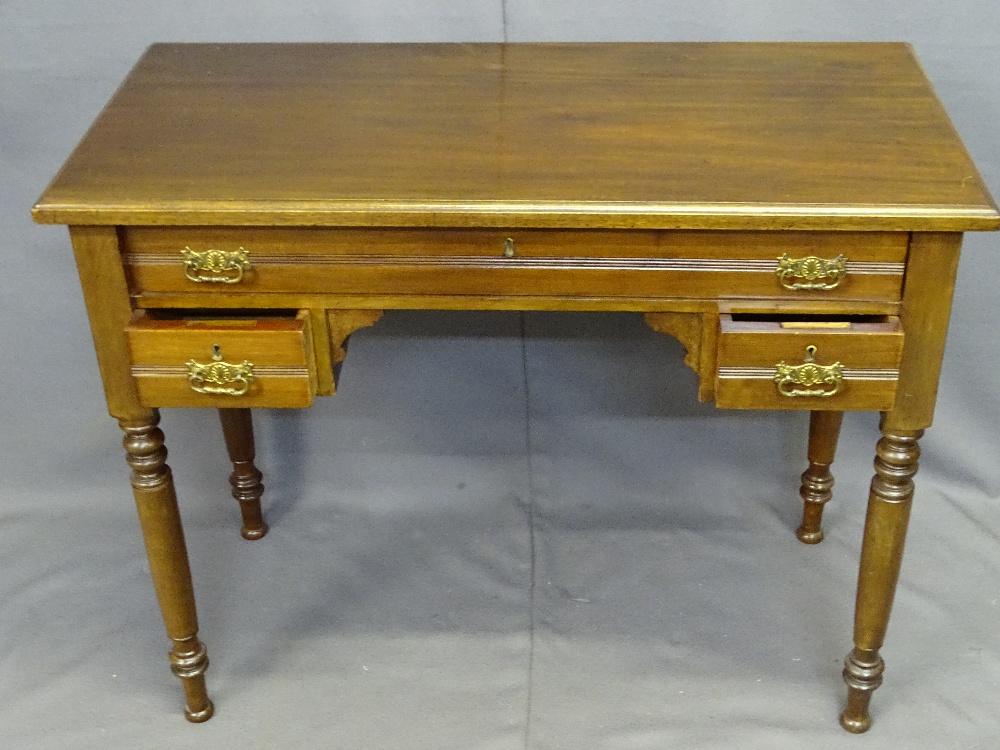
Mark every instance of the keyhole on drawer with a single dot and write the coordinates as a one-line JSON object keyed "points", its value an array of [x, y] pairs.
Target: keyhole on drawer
{"points": [[216, 352], [508, 247]]}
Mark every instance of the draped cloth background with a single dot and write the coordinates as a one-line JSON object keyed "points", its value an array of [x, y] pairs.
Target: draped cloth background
{"points": [[505, 531]]}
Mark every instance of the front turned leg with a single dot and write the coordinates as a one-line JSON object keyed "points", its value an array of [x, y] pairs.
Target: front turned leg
{"points": [[156, 500], [237, 429], [881, 554], [817, 481]]}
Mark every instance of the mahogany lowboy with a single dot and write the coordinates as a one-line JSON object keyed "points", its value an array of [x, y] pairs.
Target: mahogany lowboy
{"points": [[792, 213]]}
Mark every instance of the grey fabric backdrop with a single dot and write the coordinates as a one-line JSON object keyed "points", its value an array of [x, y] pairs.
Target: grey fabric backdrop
{"points": [[505, 531]]}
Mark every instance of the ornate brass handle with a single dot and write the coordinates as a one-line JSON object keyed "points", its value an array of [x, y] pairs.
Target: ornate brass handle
{"points": [[218, 377], [215, 266], [811, 272], [809, 379]]}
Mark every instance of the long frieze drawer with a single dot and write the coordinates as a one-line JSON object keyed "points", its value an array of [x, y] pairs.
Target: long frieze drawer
{"points": [[517, 263], [808, 364], [230, 362]]}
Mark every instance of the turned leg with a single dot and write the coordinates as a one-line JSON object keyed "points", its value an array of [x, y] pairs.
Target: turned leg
{"points": [[237, 428], [156, 501], [817, 481], [881, 554]]}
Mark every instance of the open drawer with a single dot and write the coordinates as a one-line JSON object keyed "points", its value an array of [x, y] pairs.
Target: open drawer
{"points": [[228, 362], [808, 363]]}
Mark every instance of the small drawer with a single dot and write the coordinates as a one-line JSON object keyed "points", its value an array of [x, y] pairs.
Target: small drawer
{"points": [[811, 364], [222, 362]]}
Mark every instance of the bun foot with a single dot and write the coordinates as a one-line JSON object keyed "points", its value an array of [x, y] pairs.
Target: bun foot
{"points": [[258, 532], [855, 724], [809, 537], [197, 717]]}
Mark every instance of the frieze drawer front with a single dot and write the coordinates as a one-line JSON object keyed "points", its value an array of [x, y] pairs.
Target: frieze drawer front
{"points": [[638, 264], [222, 362], [816, 364]]}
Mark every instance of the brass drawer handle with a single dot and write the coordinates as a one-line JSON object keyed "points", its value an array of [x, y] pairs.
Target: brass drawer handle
{"points": [[809, 379], [218, 377], [811, 272], [215, 266]]}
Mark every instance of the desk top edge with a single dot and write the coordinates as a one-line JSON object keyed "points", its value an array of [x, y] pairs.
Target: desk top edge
{"points": [[533, 215]]}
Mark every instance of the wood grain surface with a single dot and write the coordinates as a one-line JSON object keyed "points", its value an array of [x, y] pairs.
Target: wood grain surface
{"points": [[753, 135]]}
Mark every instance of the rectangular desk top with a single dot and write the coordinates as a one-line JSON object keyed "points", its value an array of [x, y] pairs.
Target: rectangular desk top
{"points": [[826, 136]]}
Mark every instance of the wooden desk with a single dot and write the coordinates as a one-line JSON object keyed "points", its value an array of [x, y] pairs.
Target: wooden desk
{"points": [[792, 213]]}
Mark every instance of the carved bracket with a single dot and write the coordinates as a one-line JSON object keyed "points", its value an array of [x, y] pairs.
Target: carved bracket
{"points": [[696, 331], [340, 325]]}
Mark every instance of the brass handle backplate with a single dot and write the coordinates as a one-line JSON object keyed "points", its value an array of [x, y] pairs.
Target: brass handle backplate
{"points": [[219, 378], [811, 272], [809, 378], [216, 266]]}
